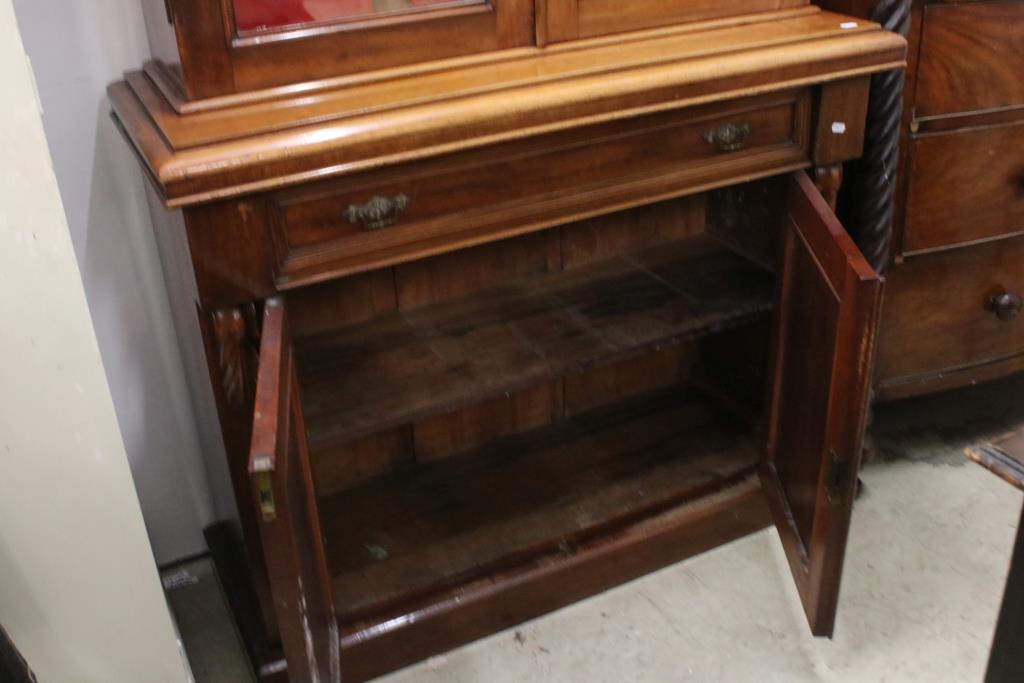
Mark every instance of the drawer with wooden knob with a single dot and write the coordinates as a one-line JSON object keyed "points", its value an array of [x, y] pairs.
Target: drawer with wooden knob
{"points": [[952, 311], [354, 224]]}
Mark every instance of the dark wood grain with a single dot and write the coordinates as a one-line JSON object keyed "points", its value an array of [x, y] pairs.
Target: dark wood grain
{"points": [[410, 365], [972, 56]]}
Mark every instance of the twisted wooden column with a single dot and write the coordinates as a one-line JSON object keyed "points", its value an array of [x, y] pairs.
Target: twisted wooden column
{"points": [[868, 211]]}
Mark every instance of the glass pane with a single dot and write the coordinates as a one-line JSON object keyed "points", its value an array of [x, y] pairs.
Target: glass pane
{"points": [[259, 15]]}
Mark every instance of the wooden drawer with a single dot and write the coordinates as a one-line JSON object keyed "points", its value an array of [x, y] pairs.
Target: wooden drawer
{"points": [[972, 58], [965, 186], [423, 208], [938, 315]]}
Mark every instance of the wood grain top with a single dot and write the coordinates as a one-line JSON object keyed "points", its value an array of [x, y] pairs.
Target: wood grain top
{"points": [[295, 135], [1003, 456]]}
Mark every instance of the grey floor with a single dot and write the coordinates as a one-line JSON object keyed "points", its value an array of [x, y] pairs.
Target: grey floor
{"points": [[927, 559]]}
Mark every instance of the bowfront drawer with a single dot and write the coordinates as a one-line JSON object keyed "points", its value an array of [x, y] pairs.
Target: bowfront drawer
{"points": [[423, 208], [952, 310], [965, 186], [972, 58]]}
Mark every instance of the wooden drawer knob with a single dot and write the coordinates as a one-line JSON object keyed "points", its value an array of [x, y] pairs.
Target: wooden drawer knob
{"points": [[730, 137], [1006, 306], [379, 212]]}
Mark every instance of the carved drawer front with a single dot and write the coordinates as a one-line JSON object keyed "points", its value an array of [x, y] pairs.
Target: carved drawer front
{"points": [[965, 186], [417, 209], [972, 58], [952, 310]]}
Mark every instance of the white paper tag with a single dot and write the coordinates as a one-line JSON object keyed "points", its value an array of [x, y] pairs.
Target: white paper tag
{"points": [[838, 127], [849, 24]]}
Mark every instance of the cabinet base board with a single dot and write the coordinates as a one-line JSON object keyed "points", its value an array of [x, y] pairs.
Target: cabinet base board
{"points": [[497, 605]]}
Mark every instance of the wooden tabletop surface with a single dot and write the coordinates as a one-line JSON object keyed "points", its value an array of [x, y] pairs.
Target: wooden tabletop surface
{"points": [[1003, 455]]}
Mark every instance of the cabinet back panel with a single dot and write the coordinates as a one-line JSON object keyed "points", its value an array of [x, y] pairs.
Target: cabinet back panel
{"points": [[434, 280]]}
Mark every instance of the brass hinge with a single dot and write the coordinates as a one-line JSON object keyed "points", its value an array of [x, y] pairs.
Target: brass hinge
{"points": [[836, 475], [265, 493]]}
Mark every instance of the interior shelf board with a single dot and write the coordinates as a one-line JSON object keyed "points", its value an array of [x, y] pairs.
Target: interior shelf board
{"points": [[421, 532], [409, 365]]}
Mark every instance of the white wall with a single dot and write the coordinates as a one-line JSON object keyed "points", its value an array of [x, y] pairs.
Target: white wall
{"points": [[76, 48], [79, 591]]}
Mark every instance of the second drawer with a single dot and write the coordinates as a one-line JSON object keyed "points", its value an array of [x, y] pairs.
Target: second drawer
{"points": [[423, 208], [965, 186]]}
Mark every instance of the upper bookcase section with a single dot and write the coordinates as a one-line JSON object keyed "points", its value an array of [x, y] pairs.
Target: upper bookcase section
{"points": [[211, 49]]}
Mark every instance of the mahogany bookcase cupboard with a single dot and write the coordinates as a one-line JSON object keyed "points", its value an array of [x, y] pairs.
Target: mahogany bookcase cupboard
{"points": [[508, 302]]}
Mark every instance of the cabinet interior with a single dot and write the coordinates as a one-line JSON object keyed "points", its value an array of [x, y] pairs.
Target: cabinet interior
{"points": [[500, 408]]}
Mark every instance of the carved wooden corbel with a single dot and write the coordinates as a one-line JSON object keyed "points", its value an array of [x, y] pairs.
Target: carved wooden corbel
{"points": [[236, 332], [829, 180]]}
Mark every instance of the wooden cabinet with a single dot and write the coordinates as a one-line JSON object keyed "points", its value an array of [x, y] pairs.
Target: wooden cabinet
{"points": [[955, 280], [493, 334]]}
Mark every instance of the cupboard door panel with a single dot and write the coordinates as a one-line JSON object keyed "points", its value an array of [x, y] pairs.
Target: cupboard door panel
{"points": [[282, 481], [825, 333]]}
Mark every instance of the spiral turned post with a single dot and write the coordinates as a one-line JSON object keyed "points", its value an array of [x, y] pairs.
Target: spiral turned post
{"points": [[869, 216]]}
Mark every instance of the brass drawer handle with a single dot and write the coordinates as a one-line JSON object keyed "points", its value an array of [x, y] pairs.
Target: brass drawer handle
{"points": [[730, 137], [1006, 306], [379, 212]]}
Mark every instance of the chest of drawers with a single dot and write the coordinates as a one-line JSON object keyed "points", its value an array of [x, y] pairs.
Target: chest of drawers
{"points": [[499, 323], [954, 295]]}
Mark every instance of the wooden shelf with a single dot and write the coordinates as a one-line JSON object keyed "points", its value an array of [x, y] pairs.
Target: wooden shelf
{"points": [[409, 365], [419, 535]]}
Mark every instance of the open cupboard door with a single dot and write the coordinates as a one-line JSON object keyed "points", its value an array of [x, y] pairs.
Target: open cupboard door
{"points": [[282, 480], [826, 319]]}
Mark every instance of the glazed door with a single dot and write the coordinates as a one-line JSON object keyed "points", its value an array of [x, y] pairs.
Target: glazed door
{"points": [[289, 521], [826, 319], [574, 19], [235, 46]]}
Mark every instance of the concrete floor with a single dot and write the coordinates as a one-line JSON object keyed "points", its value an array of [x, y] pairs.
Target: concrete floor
{"points": [[928, 555]]}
